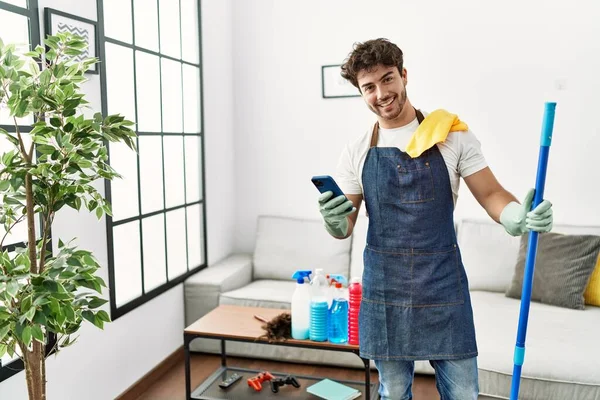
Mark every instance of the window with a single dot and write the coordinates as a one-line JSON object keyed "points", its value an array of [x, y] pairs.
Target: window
{"points": [[150, 51], [20, 25]]}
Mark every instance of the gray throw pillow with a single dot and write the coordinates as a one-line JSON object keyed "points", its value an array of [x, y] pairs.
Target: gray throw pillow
{"points": [[564, 264]]}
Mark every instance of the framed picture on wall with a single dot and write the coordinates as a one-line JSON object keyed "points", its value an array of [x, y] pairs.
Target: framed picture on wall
{"points": [[333, 85], [57, 21]]}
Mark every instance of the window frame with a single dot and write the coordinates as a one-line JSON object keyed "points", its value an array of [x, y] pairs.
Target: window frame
{"points": [[119, 311]]}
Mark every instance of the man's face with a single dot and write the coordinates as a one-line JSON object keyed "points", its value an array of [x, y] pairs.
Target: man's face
{"points": [[384, 91]]}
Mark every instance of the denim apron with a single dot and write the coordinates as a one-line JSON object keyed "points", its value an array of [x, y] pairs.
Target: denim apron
{"points": [[416, 303]]}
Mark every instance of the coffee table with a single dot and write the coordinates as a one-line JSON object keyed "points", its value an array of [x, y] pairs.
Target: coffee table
{"points": [[237, 323]]}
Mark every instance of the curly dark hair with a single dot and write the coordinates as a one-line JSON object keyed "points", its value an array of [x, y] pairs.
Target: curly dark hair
{"points": [[367, 55]]}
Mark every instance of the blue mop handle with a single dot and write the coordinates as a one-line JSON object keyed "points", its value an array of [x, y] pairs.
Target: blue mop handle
{"points": [[519, 357]]}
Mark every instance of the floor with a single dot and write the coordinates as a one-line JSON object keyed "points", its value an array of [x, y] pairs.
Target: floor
{"points": [[171, 386]]}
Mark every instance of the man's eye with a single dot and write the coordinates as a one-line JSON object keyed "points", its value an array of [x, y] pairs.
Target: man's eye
{"points": [[388, 79]]}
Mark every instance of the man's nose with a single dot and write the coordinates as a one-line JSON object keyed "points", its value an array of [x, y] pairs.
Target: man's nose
{"points": [[381, 94]]}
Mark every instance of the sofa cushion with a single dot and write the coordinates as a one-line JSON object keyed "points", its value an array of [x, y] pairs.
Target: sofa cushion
{"points": [[488, 254], [284, 245], [561, 351], [563, 266], [261, 293]]}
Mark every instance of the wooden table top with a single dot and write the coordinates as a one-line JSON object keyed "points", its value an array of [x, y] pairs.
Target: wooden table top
{"points": [[238, 322]]}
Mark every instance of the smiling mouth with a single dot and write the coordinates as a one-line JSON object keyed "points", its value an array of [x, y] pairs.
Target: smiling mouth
{"points": [[387, 103]]}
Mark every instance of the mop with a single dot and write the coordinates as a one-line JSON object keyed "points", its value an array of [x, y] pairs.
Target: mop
{"points": [[519, 356]]}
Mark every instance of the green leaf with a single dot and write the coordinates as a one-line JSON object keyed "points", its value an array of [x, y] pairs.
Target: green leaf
{"points": [[10, 350], [89, 316], [63, 296], [59, 71], [41, 300], [92, 204], [96, 302], [103, 316], [12, 201], [55, 122], [45, 77], [37, 333], [12, 288], [26, 303], [30, 313], [88, 260], [40, 317], [50, 286], [84, 163], [26, 336], [46, 149], [69, 313], [4, 331], [67, 274], [74, 262], [2, 350], [99, 212], [54, 306], [52, 42], [61, 319]]}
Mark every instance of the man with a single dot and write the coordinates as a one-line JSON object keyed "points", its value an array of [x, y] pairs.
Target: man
{"points": [[407, 168]]}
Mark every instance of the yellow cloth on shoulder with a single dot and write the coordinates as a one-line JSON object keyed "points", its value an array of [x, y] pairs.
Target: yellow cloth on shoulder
{"points": [[432, 130]]}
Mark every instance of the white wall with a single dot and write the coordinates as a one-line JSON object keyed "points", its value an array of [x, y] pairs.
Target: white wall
{"points": [[492, 63], [219, 127], [105, 363]]}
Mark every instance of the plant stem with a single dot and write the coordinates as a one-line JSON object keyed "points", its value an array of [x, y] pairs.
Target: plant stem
{"points": [[47, 224], [26, 156], [30, 224], [43, 362]]}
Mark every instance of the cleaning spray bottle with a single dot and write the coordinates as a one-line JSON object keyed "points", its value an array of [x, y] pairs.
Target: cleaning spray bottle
{"points": [[338, 316], [319, 308], [301, 306], [333, 279]]}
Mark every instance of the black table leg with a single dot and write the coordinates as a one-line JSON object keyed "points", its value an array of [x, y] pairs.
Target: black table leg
{"points": [[223, 354], [186, 346], [367, 378]]}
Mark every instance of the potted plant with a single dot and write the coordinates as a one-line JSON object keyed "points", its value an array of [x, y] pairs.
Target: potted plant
{"points": [[45, 297]]}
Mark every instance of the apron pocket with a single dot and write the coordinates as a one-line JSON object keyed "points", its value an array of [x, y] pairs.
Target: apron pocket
{"points": [[436, 278], [412, 278], [409, 181]]}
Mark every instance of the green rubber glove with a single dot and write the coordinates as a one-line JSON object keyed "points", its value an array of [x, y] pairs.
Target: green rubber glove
{"points": [[518, 220], [334, 213]]}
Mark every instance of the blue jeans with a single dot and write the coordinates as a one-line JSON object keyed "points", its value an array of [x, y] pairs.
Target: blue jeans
{"points": [[454, 379]]}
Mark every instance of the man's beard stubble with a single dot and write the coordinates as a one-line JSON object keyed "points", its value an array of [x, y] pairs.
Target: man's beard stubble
{"points": [[401, 103]]}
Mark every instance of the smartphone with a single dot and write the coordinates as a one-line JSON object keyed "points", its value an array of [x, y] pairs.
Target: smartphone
{"points": [[325, 183]]}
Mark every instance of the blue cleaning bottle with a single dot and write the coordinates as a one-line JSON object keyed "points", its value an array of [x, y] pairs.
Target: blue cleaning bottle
{"points": [[338, 316], [318, 307], [333, 278], [301, 306]]}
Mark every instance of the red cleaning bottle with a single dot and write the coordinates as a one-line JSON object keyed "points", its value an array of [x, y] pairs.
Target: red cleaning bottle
{"points": [[355, 296]]}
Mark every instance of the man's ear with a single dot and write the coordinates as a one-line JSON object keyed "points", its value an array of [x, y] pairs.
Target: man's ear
{"points": [[404, 76]]}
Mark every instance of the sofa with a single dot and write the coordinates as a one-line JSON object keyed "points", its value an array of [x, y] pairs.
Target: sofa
{"points": [[562, 359]]}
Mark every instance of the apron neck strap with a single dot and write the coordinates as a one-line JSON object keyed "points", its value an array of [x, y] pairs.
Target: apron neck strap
{"points": [[375, 134]]}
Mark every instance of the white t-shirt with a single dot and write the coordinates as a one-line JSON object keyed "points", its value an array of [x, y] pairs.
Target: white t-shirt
{"points": [[461, 152]]}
